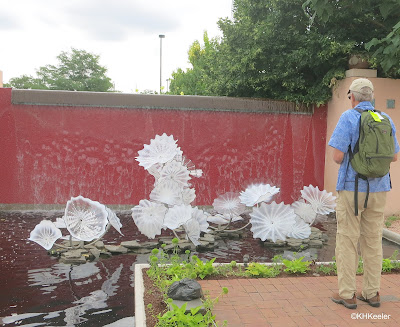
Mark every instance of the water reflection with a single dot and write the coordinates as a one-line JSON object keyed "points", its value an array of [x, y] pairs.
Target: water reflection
{"points": [[49, 278]]}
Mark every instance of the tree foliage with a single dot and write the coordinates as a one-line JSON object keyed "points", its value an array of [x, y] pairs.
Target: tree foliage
{"points": [[77, 70], [284, 49]]}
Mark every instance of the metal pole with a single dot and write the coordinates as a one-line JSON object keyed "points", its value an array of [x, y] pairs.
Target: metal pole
{"points": [[161, 36]]}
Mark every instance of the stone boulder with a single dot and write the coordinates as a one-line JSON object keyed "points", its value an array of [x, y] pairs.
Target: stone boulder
{"points": [[185, 290]]}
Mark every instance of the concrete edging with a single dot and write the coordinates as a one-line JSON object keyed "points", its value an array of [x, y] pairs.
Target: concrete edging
{"points": [[391, 236]]}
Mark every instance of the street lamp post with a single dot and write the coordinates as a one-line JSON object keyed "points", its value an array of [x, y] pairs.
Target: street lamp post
{"points": [[161, 36]]}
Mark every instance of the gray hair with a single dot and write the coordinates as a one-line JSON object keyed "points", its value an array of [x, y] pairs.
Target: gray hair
{"points": [[365, 94]]}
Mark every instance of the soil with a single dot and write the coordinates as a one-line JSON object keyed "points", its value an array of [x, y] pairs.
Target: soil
{"points": [[154, 297], [394, 227]]}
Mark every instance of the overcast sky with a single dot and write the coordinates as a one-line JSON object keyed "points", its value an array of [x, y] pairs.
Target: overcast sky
{"points": [[124, 33]]}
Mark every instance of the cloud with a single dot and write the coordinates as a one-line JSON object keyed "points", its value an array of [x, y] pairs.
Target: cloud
{"points": [[7, 22], [104, 20]]}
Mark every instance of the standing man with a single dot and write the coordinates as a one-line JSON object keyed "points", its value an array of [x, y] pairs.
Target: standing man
{"points": [[366, 227]]}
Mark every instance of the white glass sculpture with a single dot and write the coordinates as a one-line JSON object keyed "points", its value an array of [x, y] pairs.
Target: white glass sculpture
{"points": [[192, 230], [148, 217], [272, 221], [221, 219], [60, 223], [321, 201], [229, 204], [304, 211], [300, 229], [161, 150], [86, 220], [196, 172], [114, 220], [167, 192], [177, 216], [174, 171], [155, 171], [258, 193], [188, 195], [45, 234], [201, 218]]}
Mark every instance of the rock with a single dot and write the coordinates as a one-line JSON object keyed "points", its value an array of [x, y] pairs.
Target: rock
{"points": [[116, 249], [79, 260], [185, 290], [278, 243], [74, 254], [208, 238], [141, 251], [316, 243], [131, 244], [99, 244], [315, 229], [149, 245], [95, 252]]}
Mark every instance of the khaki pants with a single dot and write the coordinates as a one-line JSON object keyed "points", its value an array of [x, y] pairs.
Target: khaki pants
{"points": [[365, 228]]}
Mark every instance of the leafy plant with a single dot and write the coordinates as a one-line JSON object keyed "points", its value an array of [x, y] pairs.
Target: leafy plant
{"points": [[259, 270], [296, 265], [325, 269], [390, 220]]}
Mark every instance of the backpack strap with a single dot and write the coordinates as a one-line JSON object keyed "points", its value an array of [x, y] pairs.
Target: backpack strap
{"points": [[358, 174], [356, 193]]}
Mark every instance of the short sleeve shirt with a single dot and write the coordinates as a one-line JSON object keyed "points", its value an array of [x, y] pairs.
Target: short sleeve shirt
{"points": [[346, 133]]}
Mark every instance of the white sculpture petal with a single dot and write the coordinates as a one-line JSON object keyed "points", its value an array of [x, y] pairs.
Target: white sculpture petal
{"points": [[304, 211], [229, 204], [192, 229], [300, 229], [196, 172], [114, 220], [321, 201], [155, 170], [85, 219], [258, 193], [221, 219], [177, 216], [201, 218], [60, 223], [45, 234], [149, 217], [188, 195], [174, 171], [272, 221], [161, 150], [167, 192]]}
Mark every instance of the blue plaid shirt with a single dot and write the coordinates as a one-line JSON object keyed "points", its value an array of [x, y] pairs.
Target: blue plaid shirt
{"points": [[346, 133]]}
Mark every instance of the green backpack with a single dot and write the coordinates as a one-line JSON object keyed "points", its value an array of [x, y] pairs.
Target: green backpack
{"points": [[374, 150]]}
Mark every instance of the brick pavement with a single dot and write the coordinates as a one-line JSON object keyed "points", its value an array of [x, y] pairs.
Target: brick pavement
{"points": [[299, 301]]}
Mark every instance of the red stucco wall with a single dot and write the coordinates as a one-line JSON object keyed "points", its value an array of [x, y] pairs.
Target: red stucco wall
{"points": [[50, 153]]}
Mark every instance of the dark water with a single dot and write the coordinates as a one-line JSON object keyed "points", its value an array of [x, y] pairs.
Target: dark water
{"points": [[37, 290]]}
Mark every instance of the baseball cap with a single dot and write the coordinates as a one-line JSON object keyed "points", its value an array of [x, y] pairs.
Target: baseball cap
{"points": [[359, 83]]}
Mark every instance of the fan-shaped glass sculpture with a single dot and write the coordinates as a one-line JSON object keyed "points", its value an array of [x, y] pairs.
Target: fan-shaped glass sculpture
{"points": [[160, 150], [321, 201], [188, 195], [86, 220], [272, 221], [167, 192], [174, 171], [229, 204], [221, 219], [304, 211], [60, 223], [114, 220], [45, 234], [149, 217], [300, 229], [201, 218], [258, 193], [177, 216], [192, 229]]}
